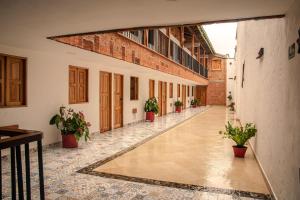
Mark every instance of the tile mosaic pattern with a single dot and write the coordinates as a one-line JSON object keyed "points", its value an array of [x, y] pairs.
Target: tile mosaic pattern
{"points": [[63, 182]]}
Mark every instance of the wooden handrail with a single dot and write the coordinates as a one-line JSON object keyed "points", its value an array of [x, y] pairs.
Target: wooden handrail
{"points": [[18, 137], [13, 140]]}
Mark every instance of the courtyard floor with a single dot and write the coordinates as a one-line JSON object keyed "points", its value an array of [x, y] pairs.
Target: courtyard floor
{"points": [[179, 156]]}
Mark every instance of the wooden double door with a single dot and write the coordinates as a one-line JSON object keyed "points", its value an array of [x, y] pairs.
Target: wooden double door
{"points": [[162, 98], [106, 101], [183, 96]]}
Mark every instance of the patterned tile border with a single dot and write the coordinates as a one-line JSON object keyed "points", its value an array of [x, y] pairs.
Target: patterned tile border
{"points": [[90, 170]]}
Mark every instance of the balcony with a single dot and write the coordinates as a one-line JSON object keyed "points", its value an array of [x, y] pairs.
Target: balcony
{"points": [[162, 44]]}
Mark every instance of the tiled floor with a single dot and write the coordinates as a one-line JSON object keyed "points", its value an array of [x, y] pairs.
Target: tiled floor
{"points": [[62, 181], [192, 153]]}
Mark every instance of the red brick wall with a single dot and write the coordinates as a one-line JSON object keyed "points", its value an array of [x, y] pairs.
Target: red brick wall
{"points": [[216, 89], [120, 47]]}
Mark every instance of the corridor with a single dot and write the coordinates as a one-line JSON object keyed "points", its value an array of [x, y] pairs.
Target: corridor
{"points": [[192, 153], [220, 176]]}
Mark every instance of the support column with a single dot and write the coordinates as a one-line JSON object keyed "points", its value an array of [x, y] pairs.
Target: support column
{"points": [[193, 45], [146, 31]]}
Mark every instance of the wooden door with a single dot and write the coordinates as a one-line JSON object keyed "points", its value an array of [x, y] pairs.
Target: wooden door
{"points": [[160, 98], [183, 96], [105, 101], [118, 100], [201, 94], [164, 98]]}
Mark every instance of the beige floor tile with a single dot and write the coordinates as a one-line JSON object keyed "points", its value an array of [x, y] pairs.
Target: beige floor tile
{"points": [[192, 153]]}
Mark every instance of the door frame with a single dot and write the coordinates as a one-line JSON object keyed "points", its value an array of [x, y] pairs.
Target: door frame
{"points": [[110, 101], [122, 109]]}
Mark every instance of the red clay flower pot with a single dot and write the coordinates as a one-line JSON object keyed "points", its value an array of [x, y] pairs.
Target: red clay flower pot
{"points": [[239, 151], [194, 106], [178, 109], [150, 116], [69, 141]]}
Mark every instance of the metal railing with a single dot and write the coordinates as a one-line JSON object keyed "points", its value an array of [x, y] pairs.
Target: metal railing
{"points": [[13, 139], [137, 38]]}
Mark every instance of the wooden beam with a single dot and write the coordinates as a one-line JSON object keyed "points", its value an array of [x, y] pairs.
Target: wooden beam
{"points": [[146, 33], [182, 36], [193, 44]]}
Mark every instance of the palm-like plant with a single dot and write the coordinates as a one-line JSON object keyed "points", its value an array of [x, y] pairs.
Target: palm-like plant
{"points": [[240, 135]]}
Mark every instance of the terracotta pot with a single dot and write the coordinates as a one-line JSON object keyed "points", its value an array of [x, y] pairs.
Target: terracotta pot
{"points": [[194, 106], [178, 109], [239, 151], [150, 116], [69, 141]]}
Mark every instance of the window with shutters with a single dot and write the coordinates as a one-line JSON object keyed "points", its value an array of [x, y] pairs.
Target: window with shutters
{"points": [[12, 81], [78, 85], [192, 91], [188, 91], [134, 88], [151, 88], [171, 90], [178, 90]]}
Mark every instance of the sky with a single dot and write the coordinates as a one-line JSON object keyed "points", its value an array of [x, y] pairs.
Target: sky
{"points": [[222, 37]]}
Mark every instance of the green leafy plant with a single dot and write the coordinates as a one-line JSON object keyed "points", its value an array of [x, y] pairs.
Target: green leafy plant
{"points": [[195, 102], [151, 105], [70, 122], [240, 135], [178, 103]]}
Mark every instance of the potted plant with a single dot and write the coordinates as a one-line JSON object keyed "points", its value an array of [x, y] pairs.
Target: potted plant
{"points": [[194, 103], [72, 126], [240, 135], [178, 105], [151, 108]]}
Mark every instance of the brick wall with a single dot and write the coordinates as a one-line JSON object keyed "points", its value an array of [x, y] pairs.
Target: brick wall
{"points": [[216, 89], [120, 47]]}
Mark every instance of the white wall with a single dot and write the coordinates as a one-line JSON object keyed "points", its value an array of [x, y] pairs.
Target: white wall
{"points": [[271, 97], [230, 74], [47, 86]]}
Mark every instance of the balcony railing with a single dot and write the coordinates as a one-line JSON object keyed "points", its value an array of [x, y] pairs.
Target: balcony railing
{"points": [[136, 36], [159, 42], [13, 139]]}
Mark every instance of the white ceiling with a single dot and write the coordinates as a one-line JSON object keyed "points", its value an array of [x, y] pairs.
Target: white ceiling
{"points": [[42, 18]]}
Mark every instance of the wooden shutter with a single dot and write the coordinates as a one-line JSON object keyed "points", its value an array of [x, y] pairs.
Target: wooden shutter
{"points": [[15, 82], [73, 79], [171, 90], [178, 90], [2, 80], [151, 88], [188, 91], [134, 88], [82, 85], [192, 91]]}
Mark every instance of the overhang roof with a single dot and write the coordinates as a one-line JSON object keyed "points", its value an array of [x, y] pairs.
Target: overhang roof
{"points": [[24, 21]]}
